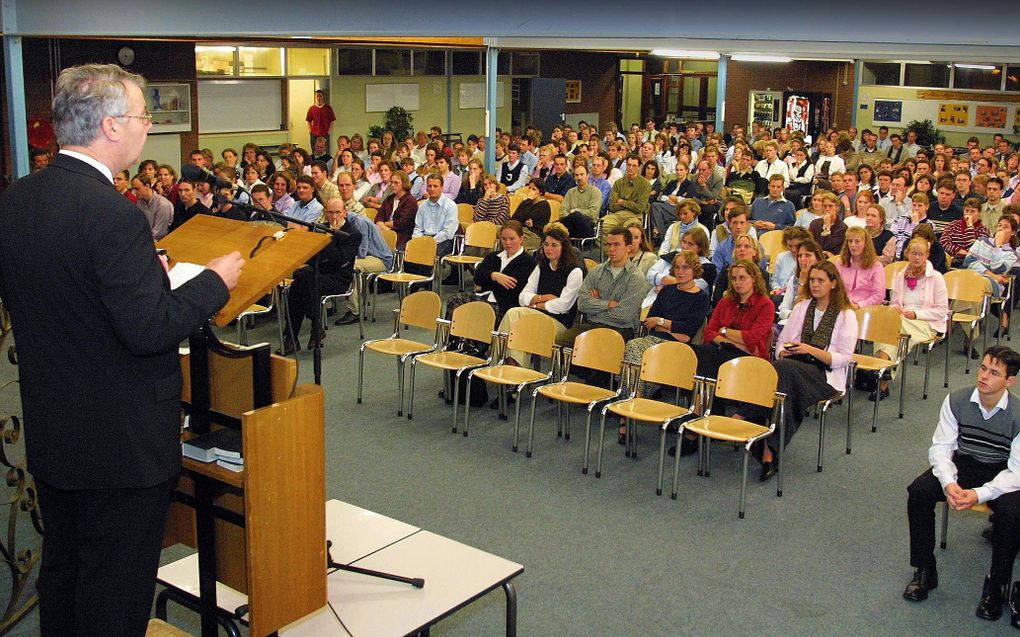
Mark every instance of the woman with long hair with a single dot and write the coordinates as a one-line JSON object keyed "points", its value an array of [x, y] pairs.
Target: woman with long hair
{"points": [[812, 355], [493, 205], [640, 250], [796, 289], [472, 185], [533, 213], [552, 285], [882, 238], [862, 273], [502, 275], [829, 231], [857, 219]]}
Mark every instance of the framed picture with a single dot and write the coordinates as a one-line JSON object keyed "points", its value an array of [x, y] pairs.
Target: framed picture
{"points": [[888, 111], [573, 91]]}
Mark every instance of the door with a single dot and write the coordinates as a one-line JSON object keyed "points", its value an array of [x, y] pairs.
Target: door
{"points": [[548, 103]]}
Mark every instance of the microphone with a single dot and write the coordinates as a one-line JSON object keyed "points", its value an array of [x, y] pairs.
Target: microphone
{"points": [[191, 172]]}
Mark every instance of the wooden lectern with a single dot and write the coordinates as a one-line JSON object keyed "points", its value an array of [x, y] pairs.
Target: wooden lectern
{"points": [[261, 531]]}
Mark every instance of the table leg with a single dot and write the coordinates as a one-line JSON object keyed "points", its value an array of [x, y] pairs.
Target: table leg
{"points": [[511, 609]]}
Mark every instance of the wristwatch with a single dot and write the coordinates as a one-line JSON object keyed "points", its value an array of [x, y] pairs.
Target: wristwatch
{"points": [[662, 322], [722, 331]]}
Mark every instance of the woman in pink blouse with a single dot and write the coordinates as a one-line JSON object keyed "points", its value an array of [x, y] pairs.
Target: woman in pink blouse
{"points": [[862, 273]]}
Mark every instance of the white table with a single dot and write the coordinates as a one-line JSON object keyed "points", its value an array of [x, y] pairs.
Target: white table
{"points": [[363, 606]]}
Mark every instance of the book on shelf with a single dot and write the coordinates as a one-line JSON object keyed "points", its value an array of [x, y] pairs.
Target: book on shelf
{"points": [[225, 442], [229, 466]]}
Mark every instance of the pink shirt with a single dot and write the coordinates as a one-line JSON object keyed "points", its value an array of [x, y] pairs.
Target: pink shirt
{"points": [[864, 286]]}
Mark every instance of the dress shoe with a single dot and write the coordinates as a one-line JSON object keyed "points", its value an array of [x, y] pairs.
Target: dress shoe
{"points": [[878, 394], [347, 319], [769, 469], [313, 342], [992, 597], [974, 354], [289, 347], [925, 579], [688, 447], [1014, 605]]}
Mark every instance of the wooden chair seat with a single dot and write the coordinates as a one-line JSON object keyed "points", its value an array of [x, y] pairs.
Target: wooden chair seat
{"points": [[159, 628], [397, 346], [463, 259], [961, 317], [575, 393], [509, 375], [403, 277], [726, 428], [449, 360], [647, 410], [872, 363]]}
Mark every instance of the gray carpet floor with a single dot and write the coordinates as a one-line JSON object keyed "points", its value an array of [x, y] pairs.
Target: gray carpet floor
{"points": [[609, 557]]}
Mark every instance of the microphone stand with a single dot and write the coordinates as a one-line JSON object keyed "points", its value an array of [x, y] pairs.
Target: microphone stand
{"points": [[272, 215]]}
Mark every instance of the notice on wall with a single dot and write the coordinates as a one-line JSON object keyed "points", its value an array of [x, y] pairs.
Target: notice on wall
{"points": [[573, 92], [990, 116], [953, 114]]}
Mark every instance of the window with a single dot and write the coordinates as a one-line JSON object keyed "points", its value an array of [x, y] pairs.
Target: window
{"points": [[393, 62], [1013, 78], [466, 62], [524, 63], [881, 73], [430, 62], [982, 77], [354, 61], [935, 75], [259, 60], [214, 60], [302, 61], [503, 63]]}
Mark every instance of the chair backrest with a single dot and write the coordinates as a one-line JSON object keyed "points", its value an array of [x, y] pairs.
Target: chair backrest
{"points": [[473, 320], [533, 333], [390, 237], [600, 348], [836, 259], [481, 234], [465, 212], [371, 213], [515, 200], [965, 285], [749, 379], [421, 250], [590, 263], [771, 242], [501, 187], [421, 309], [669, 363], [879, 324], [554, 210], [891, 270]]}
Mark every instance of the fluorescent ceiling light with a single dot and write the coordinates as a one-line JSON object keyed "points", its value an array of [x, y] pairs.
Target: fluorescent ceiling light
{"points": [[680, 53], [213, 49], [748, 57], [980, 67]]}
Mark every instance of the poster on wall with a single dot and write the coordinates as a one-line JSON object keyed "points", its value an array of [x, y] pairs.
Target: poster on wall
{"points": [[573, 92], [797, 112], [953, 114], [990, 116], [888, 111]]}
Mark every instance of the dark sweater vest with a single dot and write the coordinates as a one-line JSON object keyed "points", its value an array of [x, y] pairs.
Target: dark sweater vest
{"points": [[986, 441], [552, 282], [508, 176]]}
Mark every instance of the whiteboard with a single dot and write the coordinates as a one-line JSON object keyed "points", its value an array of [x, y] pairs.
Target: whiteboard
{"points": [[164, 148], [382, 97], [472, 95], [227, 106]]}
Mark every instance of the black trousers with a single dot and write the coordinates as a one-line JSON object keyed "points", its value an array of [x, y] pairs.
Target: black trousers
{"points": [[100, 555], [301, 299], [926, 491]]}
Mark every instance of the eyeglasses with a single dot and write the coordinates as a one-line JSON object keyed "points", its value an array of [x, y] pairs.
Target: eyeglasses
{"points": [[146, 117]]}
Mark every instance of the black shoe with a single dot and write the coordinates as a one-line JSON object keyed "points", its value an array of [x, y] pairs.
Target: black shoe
{"points": [[688, 446], [925, 579], [769, 469], [1014, 605], [974, 354], [879, 394], [347, 319], [313, 342], [992, 597], [987, 532], [621, 437], [289, 347]]}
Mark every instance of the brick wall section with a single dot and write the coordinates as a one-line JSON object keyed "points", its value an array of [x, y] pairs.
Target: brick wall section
{"points": [[823, 77], [599, 74]]}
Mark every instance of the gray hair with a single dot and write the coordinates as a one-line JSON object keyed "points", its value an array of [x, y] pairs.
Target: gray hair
{"points": [[85, 95]]}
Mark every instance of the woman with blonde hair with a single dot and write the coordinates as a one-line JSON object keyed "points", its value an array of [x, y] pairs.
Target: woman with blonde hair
{"points": [[862, 273], [640, 250]]}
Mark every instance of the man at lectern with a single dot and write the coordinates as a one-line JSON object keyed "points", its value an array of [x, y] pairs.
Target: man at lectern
{"points": [[97, 331]]}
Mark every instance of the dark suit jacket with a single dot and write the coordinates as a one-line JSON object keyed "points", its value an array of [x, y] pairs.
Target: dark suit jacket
{"points": [[97, 330]]}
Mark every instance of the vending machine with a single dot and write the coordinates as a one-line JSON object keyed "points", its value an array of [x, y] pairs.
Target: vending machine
{"points": [[766, 108]]}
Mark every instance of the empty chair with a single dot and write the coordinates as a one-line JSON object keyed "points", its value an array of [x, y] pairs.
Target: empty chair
{"points": [[481, 235], [421, 310], [418, 251], [749, 379], [968, 302], [473, 321], [670, 364], [531, 334], [880, 324], [601, 350]]}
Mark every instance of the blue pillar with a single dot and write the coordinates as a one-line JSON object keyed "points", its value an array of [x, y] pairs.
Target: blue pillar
{"points": [[491, 70], [449, 93], [858, 66], [14, 70], [720, 94]]}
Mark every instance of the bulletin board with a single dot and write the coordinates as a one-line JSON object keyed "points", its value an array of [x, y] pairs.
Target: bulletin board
{"points": [[380, 98], [227, 106], [952, 115], [472, 95]]}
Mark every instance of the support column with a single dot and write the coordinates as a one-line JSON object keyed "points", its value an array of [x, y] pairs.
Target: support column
{"points": [[491, 73], [720, 94], [449, 94], [858, 67], [14, 71]]}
